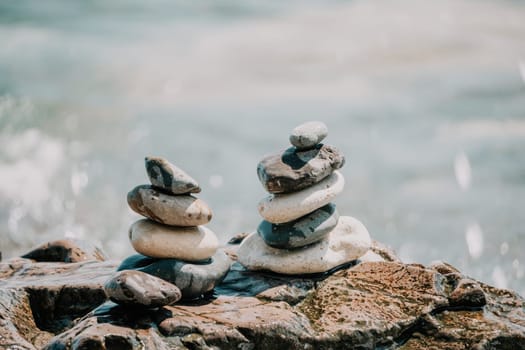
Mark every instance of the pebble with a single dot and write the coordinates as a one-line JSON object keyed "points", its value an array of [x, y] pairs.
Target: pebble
{"points": [[193, 279], [348, 241], [308, 135], [139, 288], [281, 208], [184, 243], [170, 178], [292, 170], [181, 210], [306, 230]]}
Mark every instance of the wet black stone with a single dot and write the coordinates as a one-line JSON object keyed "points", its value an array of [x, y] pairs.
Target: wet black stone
{"points": [[306, 230], [193, 279]]}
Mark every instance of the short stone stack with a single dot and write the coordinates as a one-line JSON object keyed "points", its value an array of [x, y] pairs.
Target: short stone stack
{"points": [[172, 242], [302, 231]]}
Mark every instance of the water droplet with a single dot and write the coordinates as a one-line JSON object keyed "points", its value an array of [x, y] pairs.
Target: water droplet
{"points": [[521, 67], [462, 170], [516, 264], [498, 277], [504, 248], [474, 238], [79, 180]]}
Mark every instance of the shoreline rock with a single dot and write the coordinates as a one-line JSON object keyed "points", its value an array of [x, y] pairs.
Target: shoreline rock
{"points": [[371, 305]]}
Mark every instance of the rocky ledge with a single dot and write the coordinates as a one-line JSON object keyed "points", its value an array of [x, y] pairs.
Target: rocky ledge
{"points": [[376, 304]]}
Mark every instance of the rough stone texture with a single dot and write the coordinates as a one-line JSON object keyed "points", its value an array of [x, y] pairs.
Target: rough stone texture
{"points": [[183, 210], [372, 305], [166, 176], [308, 134], [292, 170], [306, 230], [193, 279], [138, 288], [66, 250]]}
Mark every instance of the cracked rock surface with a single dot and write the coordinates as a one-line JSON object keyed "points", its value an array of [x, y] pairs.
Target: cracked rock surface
{"points": [[370, 305]]}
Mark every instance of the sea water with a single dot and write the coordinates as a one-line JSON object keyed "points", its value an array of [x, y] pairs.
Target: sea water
{"points": [[426, 99]]}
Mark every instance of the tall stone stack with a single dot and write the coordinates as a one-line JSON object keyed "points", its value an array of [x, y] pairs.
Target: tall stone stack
{"points": [[302, 231], [172, 241]]}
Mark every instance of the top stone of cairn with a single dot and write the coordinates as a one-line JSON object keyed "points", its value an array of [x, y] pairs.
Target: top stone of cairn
{"points": [[166, 176], [307, 135]]}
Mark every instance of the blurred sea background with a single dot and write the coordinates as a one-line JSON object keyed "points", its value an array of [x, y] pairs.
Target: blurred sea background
{"points": [[425, 98]]}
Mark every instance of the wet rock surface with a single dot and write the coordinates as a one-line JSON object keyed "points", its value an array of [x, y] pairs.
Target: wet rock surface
{"points": [[370, 305], [66, 250]]}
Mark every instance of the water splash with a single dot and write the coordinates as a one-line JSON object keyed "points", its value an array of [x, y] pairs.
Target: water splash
{"points": [[521, 67], [474, 238], [463, 171], [498, 277]]}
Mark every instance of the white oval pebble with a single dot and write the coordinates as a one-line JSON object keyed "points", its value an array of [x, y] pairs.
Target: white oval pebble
{"points": [[348, 241], [280, 208], [184, 243]]}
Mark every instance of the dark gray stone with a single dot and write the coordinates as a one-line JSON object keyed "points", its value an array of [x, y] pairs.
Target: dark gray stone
{"points": [[292, 170], [169, 178], [306, 230], [309, 134], [131, 287], [193, 279]]}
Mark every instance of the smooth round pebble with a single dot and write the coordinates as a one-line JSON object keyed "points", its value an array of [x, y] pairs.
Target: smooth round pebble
{"points": [[292, 170], [348, 241], [308, 135], [306, 230], [168, 177], [138, 288], [280, 208], [193, 279], [160, 241], [181, 210]]}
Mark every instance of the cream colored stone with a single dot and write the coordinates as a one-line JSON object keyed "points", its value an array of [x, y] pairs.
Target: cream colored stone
{"points": [[161, 241], [280, 208], [348, 241]]}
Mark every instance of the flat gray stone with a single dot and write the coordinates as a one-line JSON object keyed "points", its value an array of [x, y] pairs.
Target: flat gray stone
{"points": [[308, 135], [306, 230], [169, 178], [174, 210], [292, 170], [138, 288], [193, 279]]}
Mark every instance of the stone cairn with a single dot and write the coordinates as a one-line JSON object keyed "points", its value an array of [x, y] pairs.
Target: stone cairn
{"points": [[178, 256], [302, 231]]}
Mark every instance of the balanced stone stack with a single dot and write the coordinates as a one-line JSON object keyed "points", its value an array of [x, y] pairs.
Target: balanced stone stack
{"points": [[172, 242], [302, 231]]}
